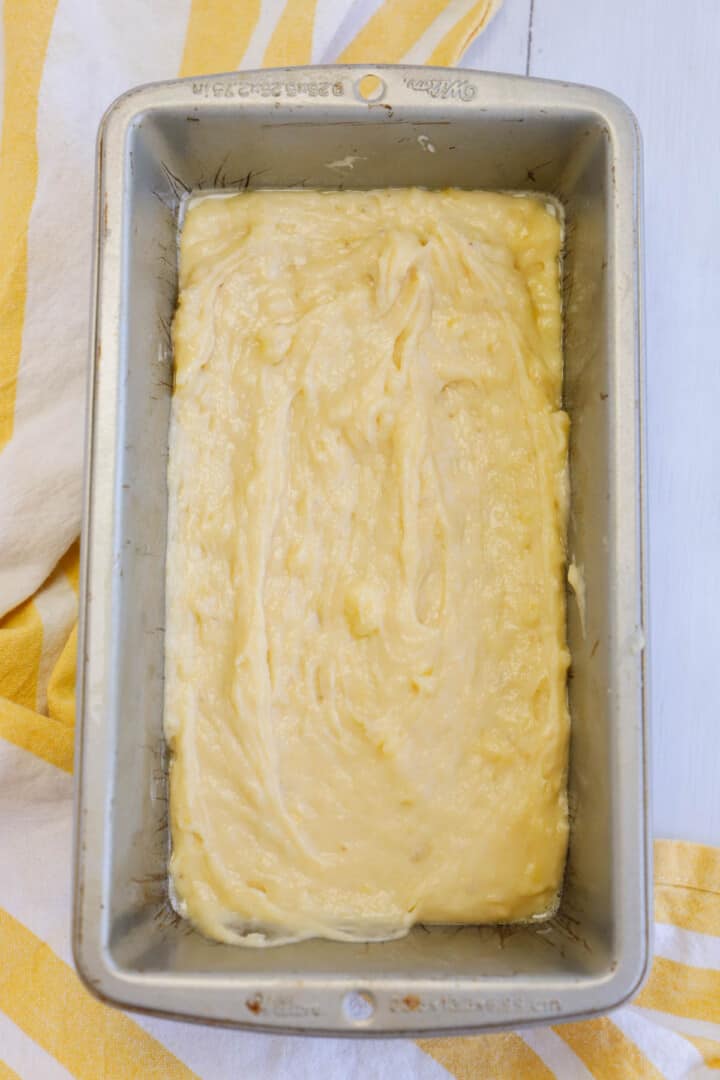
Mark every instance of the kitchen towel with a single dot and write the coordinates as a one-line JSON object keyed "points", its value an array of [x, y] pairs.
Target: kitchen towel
{"points": [[63, 62]]}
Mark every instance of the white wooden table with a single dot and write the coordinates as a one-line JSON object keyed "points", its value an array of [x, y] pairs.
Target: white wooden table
{"points": [[663, 59]]}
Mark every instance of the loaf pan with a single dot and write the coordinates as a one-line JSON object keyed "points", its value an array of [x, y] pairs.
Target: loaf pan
{"points": [[333, 128]]}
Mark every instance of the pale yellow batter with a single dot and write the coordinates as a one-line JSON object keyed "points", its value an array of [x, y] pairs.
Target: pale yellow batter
{"points": [[366, 656]]}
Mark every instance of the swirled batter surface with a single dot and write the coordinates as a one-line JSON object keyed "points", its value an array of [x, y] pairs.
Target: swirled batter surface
{"points": [[366, 657]]}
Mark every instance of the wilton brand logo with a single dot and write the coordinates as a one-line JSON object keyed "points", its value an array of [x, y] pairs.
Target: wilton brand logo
{"points": [[443, 88]]}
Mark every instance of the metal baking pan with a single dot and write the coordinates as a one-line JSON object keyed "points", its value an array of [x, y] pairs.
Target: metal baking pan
{"points": [[326, 127]]}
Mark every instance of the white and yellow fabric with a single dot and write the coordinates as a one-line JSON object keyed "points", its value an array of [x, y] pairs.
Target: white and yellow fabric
{"points": [[63, 62]]}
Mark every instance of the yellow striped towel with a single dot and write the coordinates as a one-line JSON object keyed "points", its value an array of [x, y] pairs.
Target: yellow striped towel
{"points": [[64, 61]]}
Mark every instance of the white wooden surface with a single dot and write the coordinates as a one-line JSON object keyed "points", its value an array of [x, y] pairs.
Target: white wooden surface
{"points": [[663, 59]]}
